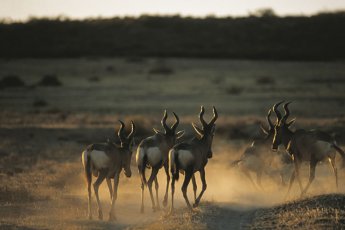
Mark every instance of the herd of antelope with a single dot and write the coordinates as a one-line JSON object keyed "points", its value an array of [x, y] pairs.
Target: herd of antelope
{"points": [[163, 149]]}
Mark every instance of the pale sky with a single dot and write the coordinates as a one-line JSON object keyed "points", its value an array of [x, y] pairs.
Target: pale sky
{"points": [[22, 9]]}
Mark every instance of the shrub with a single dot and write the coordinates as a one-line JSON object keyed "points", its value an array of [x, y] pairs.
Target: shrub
{"points": [[234, 90], [40, 103], [94, 79], [49, 80], [11, 81]]}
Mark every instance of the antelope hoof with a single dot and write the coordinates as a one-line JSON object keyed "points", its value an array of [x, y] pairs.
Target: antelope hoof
{"points": [[100, 215], [165, 202], [112, 217], [171, 212], [195, 205]]}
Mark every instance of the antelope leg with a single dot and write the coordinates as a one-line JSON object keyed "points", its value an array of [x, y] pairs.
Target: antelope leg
{"points": [[311, 176], [172, 195], [186, 181], [204, 186], [157, 187], [96, 185], [116, 185], [165, 201], [149, 184], [246, 172], [142, 197], [292, 179], [334, 167], [194, 187], [110, 187]]}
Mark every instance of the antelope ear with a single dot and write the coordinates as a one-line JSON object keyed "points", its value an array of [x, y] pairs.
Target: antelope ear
{"points": [[290, 122], [179, 134], [265, 131], [156, 130], [199, 131]]}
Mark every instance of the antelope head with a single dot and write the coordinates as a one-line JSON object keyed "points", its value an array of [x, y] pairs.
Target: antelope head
{"points": [[127, 143], [207, 131], [281, 128], [170, 132]]}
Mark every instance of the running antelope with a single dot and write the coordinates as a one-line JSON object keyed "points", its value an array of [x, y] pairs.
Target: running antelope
{"points": [[106, 161], [153, 152], [310, 146], [192, 156], [258, 157]]}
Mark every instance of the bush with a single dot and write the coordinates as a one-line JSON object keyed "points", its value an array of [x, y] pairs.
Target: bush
{"points": [[49, 80], [94, 79], [40, 103], [11, 81], [234, 90]]}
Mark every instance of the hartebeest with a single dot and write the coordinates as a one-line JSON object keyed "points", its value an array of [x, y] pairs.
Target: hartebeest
{"points": [[106, 161], [310, 146], [153, 152], [192, 156], [258, 157]]}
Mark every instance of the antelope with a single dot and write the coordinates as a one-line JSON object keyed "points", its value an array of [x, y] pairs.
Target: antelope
{"points": [[258, 157], [311, 146], [106, 161], [192, 156], [153, 152]]}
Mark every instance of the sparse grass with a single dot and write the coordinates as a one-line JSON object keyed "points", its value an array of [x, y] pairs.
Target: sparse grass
{"points": [[320, 212]]}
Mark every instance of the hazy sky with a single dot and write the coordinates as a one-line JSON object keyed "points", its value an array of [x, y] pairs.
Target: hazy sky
{"points": [[22, 9]]}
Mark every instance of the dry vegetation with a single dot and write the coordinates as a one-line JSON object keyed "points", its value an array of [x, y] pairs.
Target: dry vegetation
{"points": [[44, 129]]}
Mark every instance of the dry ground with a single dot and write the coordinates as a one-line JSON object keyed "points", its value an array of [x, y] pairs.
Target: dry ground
{"points": [[41, 179]]}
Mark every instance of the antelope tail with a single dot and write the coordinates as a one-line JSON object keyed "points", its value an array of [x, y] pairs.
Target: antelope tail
{"points": [[142, 162], [173, 164], [341, 152], [87, 165]]}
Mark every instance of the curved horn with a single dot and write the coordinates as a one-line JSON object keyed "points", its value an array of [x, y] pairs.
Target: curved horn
{"points": [[164, 120], [279, 115], [287, 111], [174, 126], [131, 134], [120, 133], [201, 116], [215, 116], [269, 119]]}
